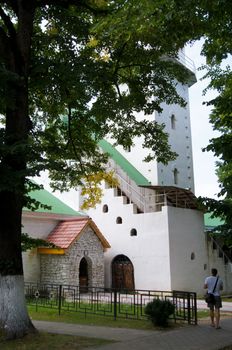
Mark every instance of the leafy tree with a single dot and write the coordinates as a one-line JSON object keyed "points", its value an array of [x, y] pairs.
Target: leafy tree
{"points": [[72, 72], [217, 50]]}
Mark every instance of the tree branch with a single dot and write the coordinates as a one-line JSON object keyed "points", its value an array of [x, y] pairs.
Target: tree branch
{"points": [[10, 3], [3, 42], [66, 3], [8, 23], [8, 43], [71, 140]]}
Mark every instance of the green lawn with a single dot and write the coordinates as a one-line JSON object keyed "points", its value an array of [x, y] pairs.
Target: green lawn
{"points": [[43, 341], [89, 319]]}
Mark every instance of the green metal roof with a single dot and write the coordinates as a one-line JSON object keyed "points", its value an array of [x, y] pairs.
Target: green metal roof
{"points": [[57, 206], [131, 171], [212, 222]]}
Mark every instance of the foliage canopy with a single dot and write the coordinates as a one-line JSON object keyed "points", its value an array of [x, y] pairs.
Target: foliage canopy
{"points": [[88, 68], [218, 50]]}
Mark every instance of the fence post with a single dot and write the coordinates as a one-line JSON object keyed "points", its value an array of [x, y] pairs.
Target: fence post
{"points": [[195, 308], [189, 308], [59, 300], [115, 304]]}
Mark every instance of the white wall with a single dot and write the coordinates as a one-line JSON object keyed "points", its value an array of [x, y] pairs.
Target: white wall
{"points": [[35, 227], [38, 227], [224, 270], [188, 257], [180, 141], [170, 251], [148, 251]]}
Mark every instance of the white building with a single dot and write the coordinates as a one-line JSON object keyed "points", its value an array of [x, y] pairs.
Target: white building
{"points": [[151, 220]]}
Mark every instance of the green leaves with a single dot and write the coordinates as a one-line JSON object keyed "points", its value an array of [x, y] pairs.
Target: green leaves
{"points": [[29, 243], [100, 69], [159, 311], [93, 67], [218, 47]]}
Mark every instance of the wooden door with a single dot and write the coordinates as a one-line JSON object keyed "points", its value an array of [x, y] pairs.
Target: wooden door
{"points": [[122, 273]]}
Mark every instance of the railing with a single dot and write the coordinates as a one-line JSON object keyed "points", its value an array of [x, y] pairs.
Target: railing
{"points": [[127, 304], [149, 200], [186, 61], [217, 246], [147, 203]]}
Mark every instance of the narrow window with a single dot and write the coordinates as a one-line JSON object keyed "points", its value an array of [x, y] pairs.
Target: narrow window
{"points": [[175, 176], [173, 121], [192, 256], [105, 208], [119, 220]]}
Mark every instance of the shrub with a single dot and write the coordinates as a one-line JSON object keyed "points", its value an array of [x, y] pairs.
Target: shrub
{"points": [[158, 311]]}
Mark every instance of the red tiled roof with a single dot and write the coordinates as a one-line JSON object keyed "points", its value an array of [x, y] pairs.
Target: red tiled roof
{"points": [[67, 231]]}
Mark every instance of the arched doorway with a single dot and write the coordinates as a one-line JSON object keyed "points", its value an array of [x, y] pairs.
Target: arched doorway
{"points": [[83, 275], [122, 273]]}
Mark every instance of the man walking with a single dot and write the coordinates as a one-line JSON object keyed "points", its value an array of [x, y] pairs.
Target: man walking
{"points": [[214, 285]]}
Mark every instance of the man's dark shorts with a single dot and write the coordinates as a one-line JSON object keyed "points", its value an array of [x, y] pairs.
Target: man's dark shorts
{"points": [[217, 303]]}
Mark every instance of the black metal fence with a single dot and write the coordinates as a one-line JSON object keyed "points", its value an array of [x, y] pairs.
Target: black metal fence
{"points": [[108, 302]]}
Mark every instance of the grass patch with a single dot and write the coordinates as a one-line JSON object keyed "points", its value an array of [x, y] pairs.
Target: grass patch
{"points": [[227, 299], [42, 341], [52, 315], [202, 313]]}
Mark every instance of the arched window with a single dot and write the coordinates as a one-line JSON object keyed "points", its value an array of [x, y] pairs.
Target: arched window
{"points": [[192, 256], [83, 276], [119, 220], [105, 208], [133, 232]]}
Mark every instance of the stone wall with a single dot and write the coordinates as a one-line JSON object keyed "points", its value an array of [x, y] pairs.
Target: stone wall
{"points": [[64, 269]]}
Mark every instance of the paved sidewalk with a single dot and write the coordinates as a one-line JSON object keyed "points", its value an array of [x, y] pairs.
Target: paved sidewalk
{"points": [[201, 337]]}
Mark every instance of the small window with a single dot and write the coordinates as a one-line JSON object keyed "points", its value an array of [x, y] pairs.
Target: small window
{"points": [[133, 232], [105, 208], [119, 220], [173, 121], [175, 176], [192, 256]]}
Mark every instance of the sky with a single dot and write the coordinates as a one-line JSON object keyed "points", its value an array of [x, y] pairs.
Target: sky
{"points": [[203, 162]]}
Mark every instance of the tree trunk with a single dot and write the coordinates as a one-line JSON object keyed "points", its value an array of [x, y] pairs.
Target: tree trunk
{"points": [[14, 317]]}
